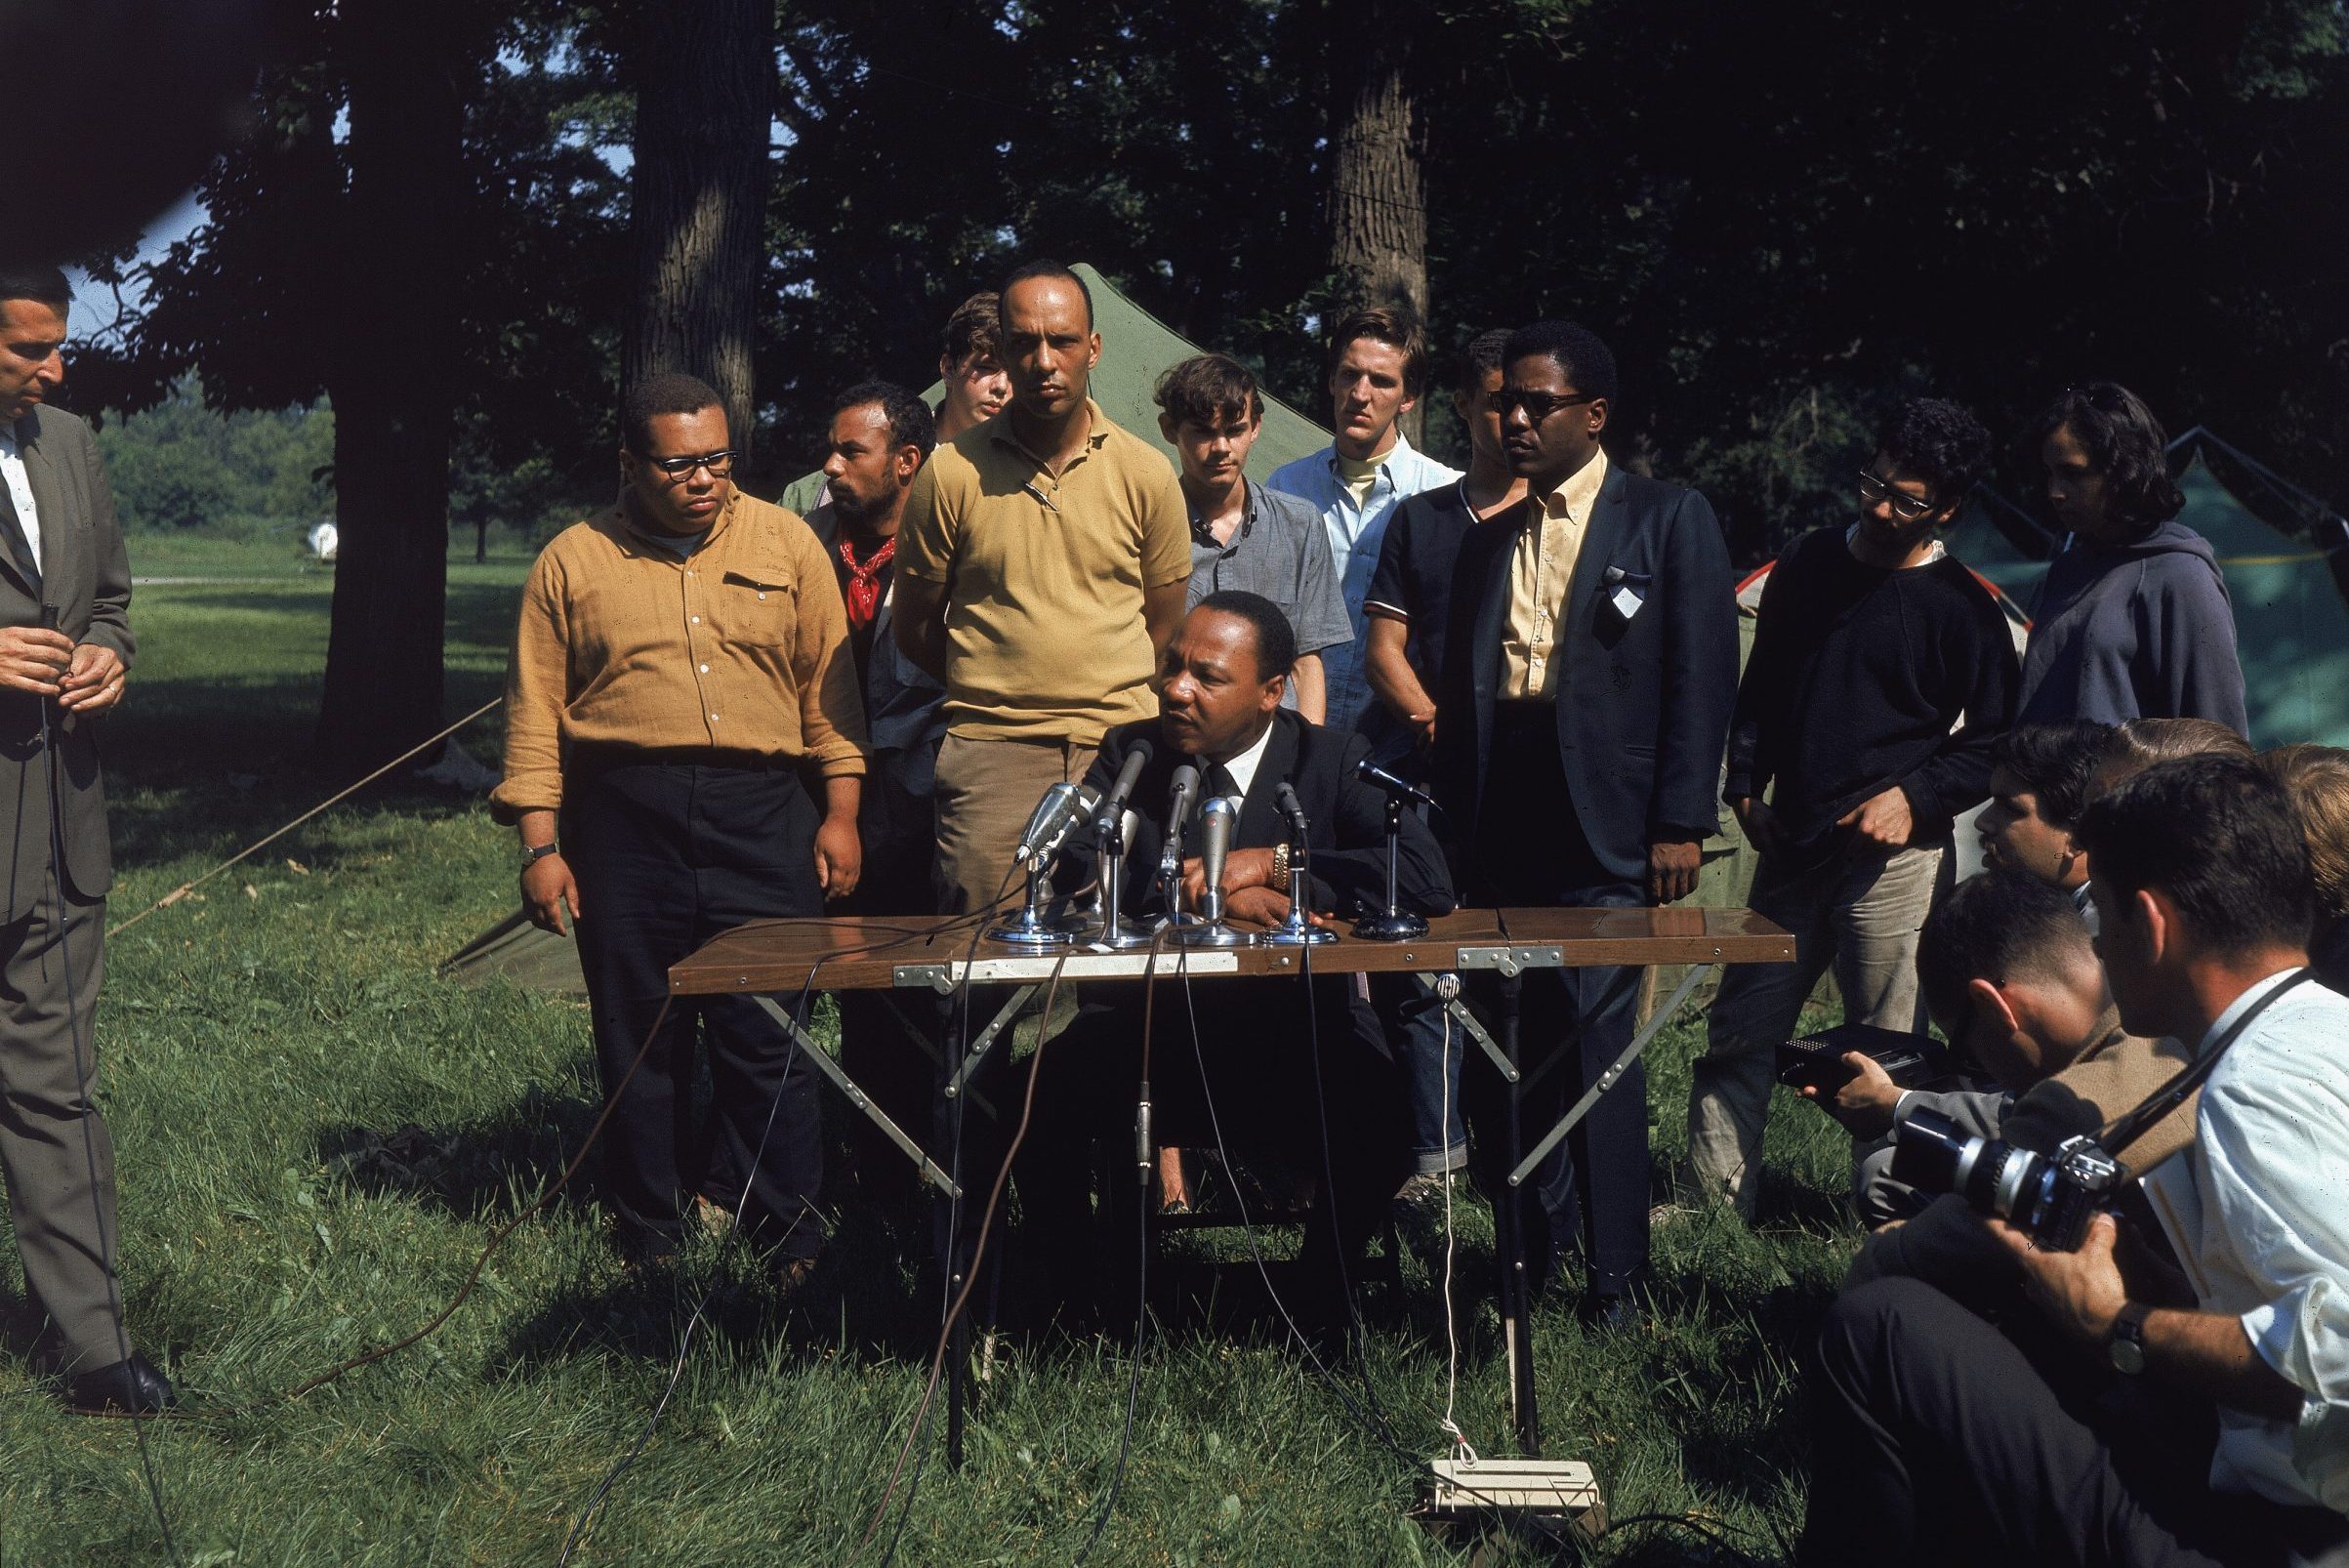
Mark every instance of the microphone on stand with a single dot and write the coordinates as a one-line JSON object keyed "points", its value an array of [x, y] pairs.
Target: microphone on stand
{"points": [[1061, 808], [1292, 809], [1179, 811], [1299, 930], [1379, 778], [1216, 823], [1113, 804], [1055, 817]]}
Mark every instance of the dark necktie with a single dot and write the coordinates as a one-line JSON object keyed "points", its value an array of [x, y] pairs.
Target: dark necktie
{"points": [[12, 534], [1219, 780]]}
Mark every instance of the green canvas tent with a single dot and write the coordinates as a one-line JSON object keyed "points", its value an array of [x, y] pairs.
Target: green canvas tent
{"points": [[1137, 348], [2291, 626]]}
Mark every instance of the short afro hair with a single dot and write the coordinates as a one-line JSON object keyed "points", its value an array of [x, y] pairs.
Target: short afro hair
{"points": [[1275, 638], [2219, 837], [670, 392], [1933, 439], [2124, 442], [1045, 267], [1479, 358], [909, 417], [44, 285], [1209, 389], [1999, 926], [2058, 762], [1573, 348]]}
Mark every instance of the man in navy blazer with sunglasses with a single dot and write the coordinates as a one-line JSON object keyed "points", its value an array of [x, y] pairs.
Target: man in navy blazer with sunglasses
{"points": [[1592, 656]]}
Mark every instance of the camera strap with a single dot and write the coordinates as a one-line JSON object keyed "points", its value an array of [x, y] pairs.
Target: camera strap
{"points": [[2130, 1125]]}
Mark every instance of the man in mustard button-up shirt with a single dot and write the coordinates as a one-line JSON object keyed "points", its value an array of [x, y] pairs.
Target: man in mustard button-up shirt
{"points": [[680, 664]]}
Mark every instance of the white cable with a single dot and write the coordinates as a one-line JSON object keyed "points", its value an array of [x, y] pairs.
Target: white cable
{"points": [[1460, 1441]]}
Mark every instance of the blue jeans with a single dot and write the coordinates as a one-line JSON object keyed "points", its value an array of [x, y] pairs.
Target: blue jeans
{"points": [[1415, 1019]]}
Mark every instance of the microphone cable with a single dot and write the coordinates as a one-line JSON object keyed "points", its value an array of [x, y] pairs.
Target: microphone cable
{"points": [[570, 1169], [951, 1301], [677, 1371], [962, 1297], [83, 1070], [1141, 1288]]}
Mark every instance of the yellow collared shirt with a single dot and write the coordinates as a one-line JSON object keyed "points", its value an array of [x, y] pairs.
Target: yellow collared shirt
{"points": [[740, 646], [1541, 571], [1045, 578]]}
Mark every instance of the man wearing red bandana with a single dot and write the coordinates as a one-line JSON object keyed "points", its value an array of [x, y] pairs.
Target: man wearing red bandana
{"points": [[881, 435]]}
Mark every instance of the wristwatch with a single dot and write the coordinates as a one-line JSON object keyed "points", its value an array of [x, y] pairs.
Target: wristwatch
{"points": [[2127, 1346], [533, 853], [1279, 868]]}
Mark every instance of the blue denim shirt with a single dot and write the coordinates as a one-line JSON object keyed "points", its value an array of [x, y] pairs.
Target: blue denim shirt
{"points": [[1354, 534]]}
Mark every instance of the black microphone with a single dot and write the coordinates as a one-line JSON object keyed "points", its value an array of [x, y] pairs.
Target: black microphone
{"points": [[1292, 810], [1379, 778], [1180, 796], [1113, 804], [1179, 811]]}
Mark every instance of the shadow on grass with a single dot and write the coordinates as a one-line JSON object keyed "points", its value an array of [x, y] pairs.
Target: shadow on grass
{"points": [[483, 1171]]}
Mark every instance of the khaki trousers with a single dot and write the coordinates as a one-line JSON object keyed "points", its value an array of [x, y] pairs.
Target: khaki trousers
{"points": [[986, 791], [1861, 914]]}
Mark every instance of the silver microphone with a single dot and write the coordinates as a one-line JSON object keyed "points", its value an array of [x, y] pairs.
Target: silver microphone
{"points": [[1061, 808], [1216, 819]]}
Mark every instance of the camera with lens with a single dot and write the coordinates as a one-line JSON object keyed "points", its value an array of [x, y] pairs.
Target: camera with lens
{"points": [[2049, 1197]]}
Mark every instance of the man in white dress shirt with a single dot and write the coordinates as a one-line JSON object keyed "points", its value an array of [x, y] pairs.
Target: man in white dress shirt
{"points": [[2149, 1414]]}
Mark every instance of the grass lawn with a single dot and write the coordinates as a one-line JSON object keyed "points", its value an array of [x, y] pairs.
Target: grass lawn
{"points": [[261, 1042]]}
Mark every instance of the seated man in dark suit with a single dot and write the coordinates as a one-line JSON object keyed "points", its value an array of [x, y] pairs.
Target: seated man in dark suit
{"points": [[1300, 1069]]}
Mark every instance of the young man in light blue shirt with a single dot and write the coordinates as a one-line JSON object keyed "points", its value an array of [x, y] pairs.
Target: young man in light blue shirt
{"points": [[1378, 369]]}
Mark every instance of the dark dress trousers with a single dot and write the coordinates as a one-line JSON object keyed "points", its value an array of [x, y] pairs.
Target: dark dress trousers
{"points": [[1555, 803], [1278, 1060], [63, 1225]]}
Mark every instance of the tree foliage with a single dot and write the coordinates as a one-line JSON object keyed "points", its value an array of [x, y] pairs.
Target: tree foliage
{"points": [[180, 465], [1782, 216]]}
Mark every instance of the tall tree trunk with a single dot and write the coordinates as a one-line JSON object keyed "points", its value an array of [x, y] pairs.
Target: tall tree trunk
{"points": [[1378, 185], [390, 377], [705, 97]]}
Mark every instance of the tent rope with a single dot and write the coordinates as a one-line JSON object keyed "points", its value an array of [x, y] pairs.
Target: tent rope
{"points": [[186, 888]]}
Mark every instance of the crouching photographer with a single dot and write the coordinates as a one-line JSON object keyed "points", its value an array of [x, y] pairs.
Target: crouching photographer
{"points": [[2195, 1420], [2008, 972]]}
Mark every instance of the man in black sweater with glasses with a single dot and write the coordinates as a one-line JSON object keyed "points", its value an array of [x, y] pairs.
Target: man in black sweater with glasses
{"points": [[1881, 673]]}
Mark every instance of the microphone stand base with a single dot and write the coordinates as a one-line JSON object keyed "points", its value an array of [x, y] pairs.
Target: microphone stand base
{"points": [[1039, 934], [1391, 926], [1296, 937], [1216, 935], [1124, 939]]}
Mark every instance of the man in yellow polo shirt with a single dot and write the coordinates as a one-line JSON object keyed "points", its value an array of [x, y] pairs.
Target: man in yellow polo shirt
{"points": [[680, 664], [1040, 569]]}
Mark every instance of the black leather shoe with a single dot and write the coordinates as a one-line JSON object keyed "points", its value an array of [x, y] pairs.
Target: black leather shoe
{"points": [[133, 1388]]}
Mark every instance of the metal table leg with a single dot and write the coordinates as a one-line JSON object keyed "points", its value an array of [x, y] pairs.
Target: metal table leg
{"points": [[1516, 1325], [1474, 1028], [1004, 1019], [823, 1063], [1608, 1079]]}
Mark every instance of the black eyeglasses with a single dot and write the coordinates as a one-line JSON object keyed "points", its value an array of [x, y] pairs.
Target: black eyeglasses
{"points": [[1907, 507], [720, 465], [1537, 406]]}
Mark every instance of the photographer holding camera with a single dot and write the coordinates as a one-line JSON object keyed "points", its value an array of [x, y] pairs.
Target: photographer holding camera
{"points": [[2203, 1419], [2009, 974]]}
